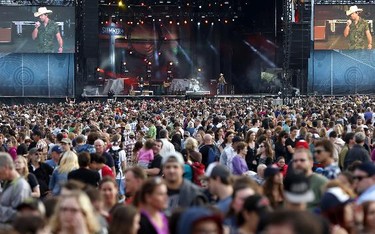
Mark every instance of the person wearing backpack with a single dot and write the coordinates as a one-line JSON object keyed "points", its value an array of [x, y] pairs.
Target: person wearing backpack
{"points": [[197, 167], [210, 152], [119, 158]]}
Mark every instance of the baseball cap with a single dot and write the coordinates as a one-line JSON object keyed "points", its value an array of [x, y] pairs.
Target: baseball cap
{"points": [[302, 144], [33, 150], [319, 170], [334, 197], [172, 155], [132, 134], [297, 188], [66, 141], [56, 149], [215, 169], [367, 167], [271, 171]]}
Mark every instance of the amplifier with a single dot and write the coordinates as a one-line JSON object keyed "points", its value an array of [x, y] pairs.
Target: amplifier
{"points": [[5, 35]]}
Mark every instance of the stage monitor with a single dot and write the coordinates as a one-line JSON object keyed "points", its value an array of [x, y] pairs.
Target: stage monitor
{"points": [[18, 33], [343, 27]]}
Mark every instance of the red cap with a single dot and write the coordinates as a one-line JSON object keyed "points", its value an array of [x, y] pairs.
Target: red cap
{"points": [[302, 144]]}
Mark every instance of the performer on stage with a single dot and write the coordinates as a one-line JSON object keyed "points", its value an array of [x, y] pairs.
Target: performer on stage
{"points": [[166, 85], [141, 83], [221, 83]]}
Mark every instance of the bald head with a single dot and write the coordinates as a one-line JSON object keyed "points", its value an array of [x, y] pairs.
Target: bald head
{"points": [[207, 138]]}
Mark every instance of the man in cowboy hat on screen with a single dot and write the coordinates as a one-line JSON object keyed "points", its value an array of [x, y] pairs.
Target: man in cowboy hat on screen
{"points": [[45, 32], [357, 30]]}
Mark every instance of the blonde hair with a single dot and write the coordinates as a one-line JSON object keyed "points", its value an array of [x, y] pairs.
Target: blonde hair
{"points": [[191, 144], [71, 135], [25, 172], [13, 140], [86, 207], [68, 163]]}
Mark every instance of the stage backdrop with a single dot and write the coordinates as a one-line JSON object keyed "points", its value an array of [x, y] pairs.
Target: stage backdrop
{"points": [[343, 72], [38, 75]]}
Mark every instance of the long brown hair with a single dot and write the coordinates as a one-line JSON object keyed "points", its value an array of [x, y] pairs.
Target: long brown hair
{"points": [[269, 150], [121, 215], [147, 188], [268, 190]]}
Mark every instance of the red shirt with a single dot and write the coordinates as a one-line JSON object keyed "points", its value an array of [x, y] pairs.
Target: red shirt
{"points": [[107, 171]]}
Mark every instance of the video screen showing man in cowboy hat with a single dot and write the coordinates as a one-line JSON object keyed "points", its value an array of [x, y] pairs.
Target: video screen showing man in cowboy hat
{"points": [[343, 27], [357, 30], [45, 32]]}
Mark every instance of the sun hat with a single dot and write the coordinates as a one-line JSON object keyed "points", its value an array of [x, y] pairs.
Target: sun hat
{"points": [[353, 9], [42, 11]]}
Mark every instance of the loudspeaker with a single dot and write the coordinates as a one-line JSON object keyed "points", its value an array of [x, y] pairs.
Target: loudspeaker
{"points": [[91, 66], [90, 28], [300, 41]]}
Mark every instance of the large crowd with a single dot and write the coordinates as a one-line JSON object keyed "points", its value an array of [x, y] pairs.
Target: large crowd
{"points": [[208, 166]]}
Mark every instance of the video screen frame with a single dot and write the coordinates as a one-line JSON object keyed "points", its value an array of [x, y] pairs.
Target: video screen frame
{"points": [[17, 24], [331, 21]]}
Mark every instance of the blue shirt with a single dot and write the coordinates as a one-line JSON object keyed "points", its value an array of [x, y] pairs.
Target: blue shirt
{"points": [[51, 163], [367, 195], [331, 171], [224, 204]]}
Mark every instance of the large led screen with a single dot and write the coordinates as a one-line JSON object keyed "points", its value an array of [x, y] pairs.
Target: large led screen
{"points": [[37, 29], [344, 27]]}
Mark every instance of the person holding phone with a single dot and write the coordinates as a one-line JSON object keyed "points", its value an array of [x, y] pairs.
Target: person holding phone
{"points": [[357, 30], [45, 32]]}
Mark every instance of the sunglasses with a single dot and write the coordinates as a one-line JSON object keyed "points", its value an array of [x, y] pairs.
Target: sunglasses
{"points": [[359, 178]]}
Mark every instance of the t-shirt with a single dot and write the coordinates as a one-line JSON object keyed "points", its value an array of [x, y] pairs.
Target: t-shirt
{"points": [[316, 183], [43, 174], [106, 171], [108, 160], [156, 163], [85, 175], [145, 155], [188, 172], [292, 143], [32, 180], [173, 200]]}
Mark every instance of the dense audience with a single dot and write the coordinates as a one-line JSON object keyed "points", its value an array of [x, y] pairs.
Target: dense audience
{"points": [[233, 166]]}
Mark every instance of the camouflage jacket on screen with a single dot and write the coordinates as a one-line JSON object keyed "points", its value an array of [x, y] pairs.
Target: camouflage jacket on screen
{"points": [[47, 36], [357, 35]]}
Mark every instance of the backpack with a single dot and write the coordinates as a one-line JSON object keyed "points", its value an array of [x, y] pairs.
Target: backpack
{"points": [[213, 154], [198, 171], [116, 158]]}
